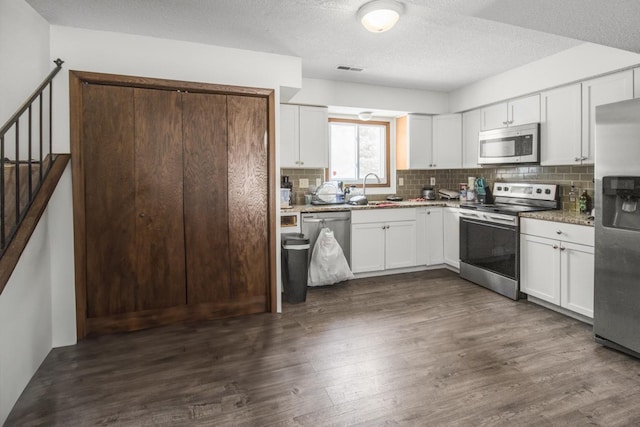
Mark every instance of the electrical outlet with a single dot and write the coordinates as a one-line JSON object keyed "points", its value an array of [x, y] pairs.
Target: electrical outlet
{"points": [[432, 180], [401, 181], [303, 183], [318, 182]]}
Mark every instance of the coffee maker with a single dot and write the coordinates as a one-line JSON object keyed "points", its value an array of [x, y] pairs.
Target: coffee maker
{"points": [[285, 183]]}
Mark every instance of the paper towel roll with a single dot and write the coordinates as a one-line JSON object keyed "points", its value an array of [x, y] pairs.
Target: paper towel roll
{"points": [[471, 182]]}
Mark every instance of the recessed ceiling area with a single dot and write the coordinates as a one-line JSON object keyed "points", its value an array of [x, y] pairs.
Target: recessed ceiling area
{"points": [[437, 45]]}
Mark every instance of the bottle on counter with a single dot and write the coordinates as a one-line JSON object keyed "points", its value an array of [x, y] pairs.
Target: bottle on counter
{"points": [[584, 202], [573, 198]]}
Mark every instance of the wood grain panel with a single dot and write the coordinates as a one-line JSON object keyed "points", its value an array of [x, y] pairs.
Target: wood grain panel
{"points": [[146, 319], [248, 196], [159, 199], [205, 197], [108, 135]]}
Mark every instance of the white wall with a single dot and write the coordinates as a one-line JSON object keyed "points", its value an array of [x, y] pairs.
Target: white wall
{"points": [[32, 321], [63, 296], [24, 43], [109, 52], [370, 97], [25, 307], [578, 63], [24, 64]]}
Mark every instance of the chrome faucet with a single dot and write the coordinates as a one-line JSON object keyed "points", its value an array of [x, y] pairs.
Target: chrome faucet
{"points": [[364, 182]]}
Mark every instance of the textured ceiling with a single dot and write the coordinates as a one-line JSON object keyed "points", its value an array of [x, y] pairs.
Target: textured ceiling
{"points": [[437, 45]]}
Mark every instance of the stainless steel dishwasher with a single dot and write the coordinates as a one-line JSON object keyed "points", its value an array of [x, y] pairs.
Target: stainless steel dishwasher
{"points": [[338, 222]]}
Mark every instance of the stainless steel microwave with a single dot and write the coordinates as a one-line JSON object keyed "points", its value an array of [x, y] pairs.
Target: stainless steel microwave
{"points": [[516, 144]]}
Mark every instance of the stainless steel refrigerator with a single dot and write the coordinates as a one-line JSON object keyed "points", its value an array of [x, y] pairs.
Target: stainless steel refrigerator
{"points": [[616, 322]]}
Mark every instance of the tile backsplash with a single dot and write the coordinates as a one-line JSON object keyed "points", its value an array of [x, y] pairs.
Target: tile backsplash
{"points": [[414, 180]]}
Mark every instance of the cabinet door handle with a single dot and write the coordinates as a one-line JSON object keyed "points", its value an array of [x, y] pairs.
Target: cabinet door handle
{"points": [[583, 158], [577, 159], [428, 212], [558, 231], [562, 248], [301, 162], [434, 165], [555, 246]]}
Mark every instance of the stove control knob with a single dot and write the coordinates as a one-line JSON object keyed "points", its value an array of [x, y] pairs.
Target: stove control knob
{"points": [[499, 188], [547, 191], [506, 188], [539, 190]]}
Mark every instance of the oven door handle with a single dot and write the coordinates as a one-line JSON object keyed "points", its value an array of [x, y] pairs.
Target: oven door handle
{"points": [[490, 224], [498, 218], [470, 215]]}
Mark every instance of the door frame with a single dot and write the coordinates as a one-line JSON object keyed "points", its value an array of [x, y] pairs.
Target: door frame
{"points": [[76, 79]]}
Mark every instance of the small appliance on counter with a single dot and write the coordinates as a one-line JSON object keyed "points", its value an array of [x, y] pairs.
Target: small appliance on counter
{"points": [[483, 192], [428, 193], [448, 194], [286, 197]]}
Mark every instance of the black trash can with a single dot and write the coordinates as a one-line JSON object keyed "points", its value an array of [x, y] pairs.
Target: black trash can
{"points": [[295, 266]]}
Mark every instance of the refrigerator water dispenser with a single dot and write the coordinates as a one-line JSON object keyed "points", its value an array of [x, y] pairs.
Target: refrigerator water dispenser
{"points": [[620, 202]]}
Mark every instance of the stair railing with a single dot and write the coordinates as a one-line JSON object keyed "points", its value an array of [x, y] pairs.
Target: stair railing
{"points": [[16, 195]]}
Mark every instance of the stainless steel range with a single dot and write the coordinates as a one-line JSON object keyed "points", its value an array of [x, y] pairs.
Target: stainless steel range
{"points": [[490, 234]]}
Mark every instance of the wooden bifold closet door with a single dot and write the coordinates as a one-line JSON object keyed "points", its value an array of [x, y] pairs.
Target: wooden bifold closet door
{"points": [[175, 206]]}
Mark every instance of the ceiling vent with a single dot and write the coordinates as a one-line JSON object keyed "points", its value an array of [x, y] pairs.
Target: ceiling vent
{"points": [[348, 68]]}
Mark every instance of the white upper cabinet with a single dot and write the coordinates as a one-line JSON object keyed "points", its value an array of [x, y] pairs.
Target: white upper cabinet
{"points": [[414, 142], [561, 126], [426, 142], [512, 113], [447, 141], [603, 90], [470, 130], [494, 116], [289, 136], [304, 136], [636, 83]]}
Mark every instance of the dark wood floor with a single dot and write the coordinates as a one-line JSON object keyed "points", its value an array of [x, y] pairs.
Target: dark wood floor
{"points": [[416, 349]]}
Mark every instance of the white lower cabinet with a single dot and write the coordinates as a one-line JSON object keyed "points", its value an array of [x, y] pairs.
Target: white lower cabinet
{"points": [[556, 264], [383, 239], [451, 236], [430, 243]]}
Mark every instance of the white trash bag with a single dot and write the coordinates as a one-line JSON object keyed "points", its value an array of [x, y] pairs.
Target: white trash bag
{"points": [[328, 264]]}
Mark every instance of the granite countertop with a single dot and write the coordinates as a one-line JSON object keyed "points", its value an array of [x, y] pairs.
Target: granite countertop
{"points": [[569, 217], [378, 205]]}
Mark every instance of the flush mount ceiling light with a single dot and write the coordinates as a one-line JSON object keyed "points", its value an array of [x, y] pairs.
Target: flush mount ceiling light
{"points": [[379, 16], [365, 115]]}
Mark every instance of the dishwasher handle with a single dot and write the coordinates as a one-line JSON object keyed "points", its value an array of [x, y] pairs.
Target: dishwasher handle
{"points": [[323, 220]]}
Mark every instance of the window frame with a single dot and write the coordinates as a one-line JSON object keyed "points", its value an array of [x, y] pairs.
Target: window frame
{"points": [[387, 166]]}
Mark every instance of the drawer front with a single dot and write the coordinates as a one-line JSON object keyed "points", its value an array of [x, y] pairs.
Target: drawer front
{"points": [[580, 234], [382, 215]]}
